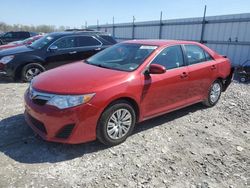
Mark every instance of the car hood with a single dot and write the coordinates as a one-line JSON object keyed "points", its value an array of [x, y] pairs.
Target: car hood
{"points": [[16, 50], [78, 78]]}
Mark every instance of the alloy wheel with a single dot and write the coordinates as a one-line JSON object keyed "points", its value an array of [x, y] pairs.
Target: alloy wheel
{"points": [[119, 124], [215, 92], [31, 73]]}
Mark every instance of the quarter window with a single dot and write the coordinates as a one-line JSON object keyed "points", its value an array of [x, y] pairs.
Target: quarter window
{"points": [[195, 54], [208, 56], [64, 43], [84, 41], [170, 57]]}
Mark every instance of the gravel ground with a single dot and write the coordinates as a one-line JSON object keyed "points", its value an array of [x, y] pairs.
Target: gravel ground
{"points": [[192, 147]]}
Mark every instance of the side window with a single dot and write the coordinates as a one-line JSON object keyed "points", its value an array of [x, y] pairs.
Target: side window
{"points": [[64, 43], [195, 54], [171, 57], [87, 41], [23, 34], [15, 35], [8, 35]]}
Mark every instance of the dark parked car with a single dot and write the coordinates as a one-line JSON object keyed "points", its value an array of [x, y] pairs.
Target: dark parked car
{"points": [[243, 71], [51, 51], [15, 36]]}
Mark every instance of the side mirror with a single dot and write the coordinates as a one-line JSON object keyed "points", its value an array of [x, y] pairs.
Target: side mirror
{"points": [[53, 48], [156, 69]]}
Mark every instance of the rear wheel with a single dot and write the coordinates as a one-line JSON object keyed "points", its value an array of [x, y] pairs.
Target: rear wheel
{"points": [[213, 94], [116, 123], [31, 70]]}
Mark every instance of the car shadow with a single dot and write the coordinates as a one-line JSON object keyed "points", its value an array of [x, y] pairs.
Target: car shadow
{"points": [[18, 141], [5, 79]]}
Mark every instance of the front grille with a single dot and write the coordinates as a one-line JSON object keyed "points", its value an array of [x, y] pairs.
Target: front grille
{"points": [[65, 131], [38, 124]]}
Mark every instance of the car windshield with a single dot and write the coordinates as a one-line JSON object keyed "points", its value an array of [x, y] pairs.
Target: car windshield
{"points": [[40, 43], [124, 56]]}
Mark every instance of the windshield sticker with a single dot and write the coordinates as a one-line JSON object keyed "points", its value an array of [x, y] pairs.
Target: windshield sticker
{"points": [[148, 47]]}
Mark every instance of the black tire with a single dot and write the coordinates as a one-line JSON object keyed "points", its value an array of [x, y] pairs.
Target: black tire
{"points": [[31, 67], [243, 79], [209, 102], [102, 127]]}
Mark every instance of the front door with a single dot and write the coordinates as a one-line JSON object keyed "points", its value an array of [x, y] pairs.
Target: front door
{"points": [[61, 52], [165, 92]]}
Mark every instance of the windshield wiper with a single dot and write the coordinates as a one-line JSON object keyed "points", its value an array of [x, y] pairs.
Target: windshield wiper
{"points": [[30, 47], [101, 65]]}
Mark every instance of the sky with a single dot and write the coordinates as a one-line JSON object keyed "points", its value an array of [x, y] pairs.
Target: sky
{"points": [[74, 13]]}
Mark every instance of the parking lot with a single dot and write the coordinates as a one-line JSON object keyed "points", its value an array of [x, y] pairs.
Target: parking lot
{"points": [[192, 147]]}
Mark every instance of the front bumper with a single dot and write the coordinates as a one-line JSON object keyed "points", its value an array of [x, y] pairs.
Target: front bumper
{"points": [[72, 126]]}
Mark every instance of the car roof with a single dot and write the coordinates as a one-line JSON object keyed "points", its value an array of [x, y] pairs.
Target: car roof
{"points": [[159, 42], [88, 33]]}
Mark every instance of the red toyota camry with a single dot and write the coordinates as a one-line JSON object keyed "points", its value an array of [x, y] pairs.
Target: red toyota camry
{"points": [[104, 96]]}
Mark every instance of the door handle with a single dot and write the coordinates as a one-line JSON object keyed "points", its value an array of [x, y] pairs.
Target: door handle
{"points": [[74, 52], [97, 49], [184, 75], [213, 67]]}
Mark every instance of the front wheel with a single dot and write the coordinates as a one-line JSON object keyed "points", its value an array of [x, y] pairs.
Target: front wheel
{"points": [[213, 94], [31, 70], [116, 123]]}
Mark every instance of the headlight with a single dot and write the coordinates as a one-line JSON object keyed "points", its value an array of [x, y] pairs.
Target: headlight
{"points": [[6, 59], [67, 101]]}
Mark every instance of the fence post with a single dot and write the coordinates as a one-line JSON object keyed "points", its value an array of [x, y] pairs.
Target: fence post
{"points": [[97, 25], [113, 32], [133, 28], [160, 26], [203, 25]]}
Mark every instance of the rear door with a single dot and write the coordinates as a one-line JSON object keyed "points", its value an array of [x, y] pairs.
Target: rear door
{"points": [[87, 46], [165, 92], [61, 52], [202, 71]]}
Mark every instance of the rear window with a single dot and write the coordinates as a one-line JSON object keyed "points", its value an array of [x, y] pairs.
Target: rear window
{"points": [[195, 54]]}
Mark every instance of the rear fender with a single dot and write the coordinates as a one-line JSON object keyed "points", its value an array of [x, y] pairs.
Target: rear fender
{"points": [[227, 81]]}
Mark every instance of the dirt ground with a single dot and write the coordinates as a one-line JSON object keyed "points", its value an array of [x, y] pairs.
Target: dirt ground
{"points": [[193, 147]]}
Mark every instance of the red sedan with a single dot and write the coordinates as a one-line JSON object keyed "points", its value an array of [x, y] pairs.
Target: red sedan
{"points": [[104, 96], [27, 41]]}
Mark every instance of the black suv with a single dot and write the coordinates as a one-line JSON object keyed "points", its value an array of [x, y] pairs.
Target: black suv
{"points": [[15, 36], [50, 51]]}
